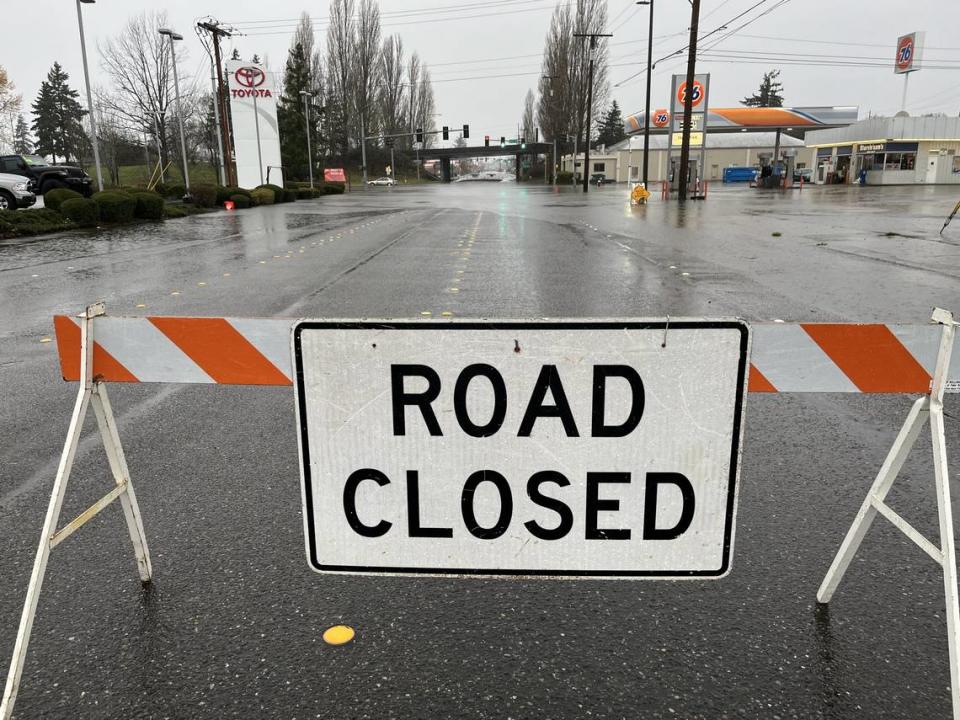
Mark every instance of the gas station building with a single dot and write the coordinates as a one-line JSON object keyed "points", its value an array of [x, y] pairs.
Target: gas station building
{"points": [[742, 137], [900, 150]]}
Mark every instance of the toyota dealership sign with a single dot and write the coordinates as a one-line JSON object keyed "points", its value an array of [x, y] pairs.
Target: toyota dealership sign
{"points": [[256, 137]]}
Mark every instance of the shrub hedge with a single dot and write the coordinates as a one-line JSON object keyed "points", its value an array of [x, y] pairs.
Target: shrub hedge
{"points": [[31, 222], [204, 195], [278, 195], [227, 193], [149, 205], [175, 211], [54, 198], [263, 196], [333, 188], [84, 212], [115, 206], [240, 202]]}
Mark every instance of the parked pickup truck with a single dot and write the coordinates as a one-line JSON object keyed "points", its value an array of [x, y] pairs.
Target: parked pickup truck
{"points": [[16, 191], [46, 176]]}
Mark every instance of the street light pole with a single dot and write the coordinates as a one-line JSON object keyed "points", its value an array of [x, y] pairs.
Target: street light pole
{"points": [[306, 116], [646, 113], [86, 79], [173, 36]]}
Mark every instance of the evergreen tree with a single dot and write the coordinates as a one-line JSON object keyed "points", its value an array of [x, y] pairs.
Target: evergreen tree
{"points": [[290, 116], [57, 118], [611, 127], [22, 143], [770, 93]]}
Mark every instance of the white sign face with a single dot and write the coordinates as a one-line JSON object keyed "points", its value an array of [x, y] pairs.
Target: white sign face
{"points": [[253, 113], [578, 449]]}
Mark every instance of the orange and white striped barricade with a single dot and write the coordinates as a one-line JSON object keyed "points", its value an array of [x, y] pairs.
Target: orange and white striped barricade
{"points": [[96, 349]]}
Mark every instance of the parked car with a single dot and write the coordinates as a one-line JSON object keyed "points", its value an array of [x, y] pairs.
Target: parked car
{"points": [[382, 181], [598, 179], [805, 173], [46, 176], [15, 192]]}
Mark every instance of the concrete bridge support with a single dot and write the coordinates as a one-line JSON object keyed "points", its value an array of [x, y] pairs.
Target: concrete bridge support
{"points": [[445, 169]]}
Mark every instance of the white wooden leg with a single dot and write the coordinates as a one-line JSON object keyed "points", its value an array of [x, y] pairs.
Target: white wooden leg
{"points": [[949, 552], [118, 465], [881, 486], [43, 554]]}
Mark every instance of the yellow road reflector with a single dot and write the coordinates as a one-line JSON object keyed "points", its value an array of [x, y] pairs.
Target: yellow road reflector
{"points": [[338, 635], [201, 283], [454, 290], [141, 305], [226, 274], [45, 340], [426, 312], [175, 292], [446, 313]]}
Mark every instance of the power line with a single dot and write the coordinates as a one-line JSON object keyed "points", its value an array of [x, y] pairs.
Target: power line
{"points": [[437, 10], [705, 36], [389, 23]]}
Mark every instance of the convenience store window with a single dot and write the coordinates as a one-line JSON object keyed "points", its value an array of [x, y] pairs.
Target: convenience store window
{"points": [[900, 161]]}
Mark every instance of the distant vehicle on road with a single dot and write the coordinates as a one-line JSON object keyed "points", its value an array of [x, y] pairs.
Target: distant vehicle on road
{"points": [[46, 176], [598, 179], [15, 192], [805, 173], [382, 181]]}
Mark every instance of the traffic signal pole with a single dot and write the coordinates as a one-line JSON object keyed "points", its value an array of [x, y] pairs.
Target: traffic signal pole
{"points": [[688, 101]]}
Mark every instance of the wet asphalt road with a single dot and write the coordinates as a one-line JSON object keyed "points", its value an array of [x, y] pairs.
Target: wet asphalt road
{"points": [[231, 626]]}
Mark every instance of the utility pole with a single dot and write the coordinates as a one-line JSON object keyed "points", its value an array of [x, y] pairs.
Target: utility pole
{"points": [[216, 32], [646, 114], [688, 101], [363, 150], [586, 153]]}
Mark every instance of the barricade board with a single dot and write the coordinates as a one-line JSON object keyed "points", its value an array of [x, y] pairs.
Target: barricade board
{"points": [[575, 449]]}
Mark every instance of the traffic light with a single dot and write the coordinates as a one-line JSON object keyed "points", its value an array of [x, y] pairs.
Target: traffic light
{"points": [[446, 133], [419, 135], [466, 131], [486, 141], [503, 141]]}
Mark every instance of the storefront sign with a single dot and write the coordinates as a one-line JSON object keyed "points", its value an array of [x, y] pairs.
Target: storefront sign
{"points": [[334, 175], [871, 147]]}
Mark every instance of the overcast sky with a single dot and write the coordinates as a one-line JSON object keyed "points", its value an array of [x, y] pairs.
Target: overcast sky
{"points": [[464, 40]]}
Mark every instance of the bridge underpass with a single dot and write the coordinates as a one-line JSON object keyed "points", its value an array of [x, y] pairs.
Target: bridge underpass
{"points": [[445, 155]]}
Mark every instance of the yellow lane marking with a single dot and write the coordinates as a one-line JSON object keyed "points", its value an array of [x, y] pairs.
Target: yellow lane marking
{"points": [[45, 340]]}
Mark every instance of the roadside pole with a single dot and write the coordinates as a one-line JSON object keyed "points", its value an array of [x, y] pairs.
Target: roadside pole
{"points": [[93, 121], [363, 150], [688, 101]]}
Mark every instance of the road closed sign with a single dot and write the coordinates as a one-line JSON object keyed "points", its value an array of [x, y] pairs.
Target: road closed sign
{"points": [[577, 449]]}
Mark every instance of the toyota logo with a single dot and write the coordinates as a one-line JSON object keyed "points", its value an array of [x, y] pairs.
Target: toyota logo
{"points": [[250, 76]]}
